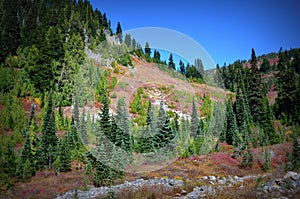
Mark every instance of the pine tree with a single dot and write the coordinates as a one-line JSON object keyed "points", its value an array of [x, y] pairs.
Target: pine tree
{"points": [[127, 40], [76, 111], [171, 63], [161, 115], [150, 120], [165, 135], [296, 153], [270, 134], [83, 129], [105, 119], [49, 139], [199, 66], [65, 155], [232, 130], [147, 49], [254, 94], [194, 120], [119, 32], [243, 118], [181, 67]]}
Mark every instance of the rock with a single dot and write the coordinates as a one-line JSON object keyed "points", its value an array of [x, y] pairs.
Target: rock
{"points": [[291, 175], [222, 180], [212, 178], [96, 192], [289, 186], [183, 192]]}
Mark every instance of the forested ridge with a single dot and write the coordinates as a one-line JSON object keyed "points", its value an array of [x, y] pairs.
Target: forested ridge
{"points": [[47, 64]]}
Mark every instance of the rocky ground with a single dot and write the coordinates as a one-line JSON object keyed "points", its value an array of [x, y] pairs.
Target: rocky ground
{"points": [[286, 187]]}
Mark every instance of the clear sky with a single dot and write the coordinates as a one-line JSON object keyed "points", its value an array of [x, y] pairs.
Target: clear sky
{"points": [[227, 30]]}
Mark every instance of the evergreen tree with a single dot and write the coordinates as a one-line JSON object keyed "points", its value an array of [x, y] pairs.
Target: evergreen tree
{"points": [[49, 139], [165, 135], [127, 40], [296, 153], [255, 97], [75, 114], [73, 137], [134, 44], [105, 119], [270, 134], [194, 120], [181, 67], [199, 66], [161, 115], [171, 63], [119, 32], [147, 49], [65, 155], [83, 129], [231, 130], [150, 120], [243, 118]]}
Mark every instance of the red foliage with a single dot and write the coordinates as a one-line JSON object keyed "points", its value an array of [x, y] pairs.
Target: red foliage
{"points": [[223, 158]]}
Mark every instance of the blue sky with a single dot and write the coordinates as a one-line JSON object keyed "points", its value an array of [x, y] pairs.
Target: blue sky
{"points": [[227, 30]]}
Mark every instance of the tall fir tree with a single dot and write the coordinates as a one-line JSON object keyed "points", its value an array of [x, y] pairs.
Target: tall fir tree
{"points": [[49, 139], [119, 32], [232, 129], [171, 63], [254, 94], [147, 49], [83, 128], [194, 120]]}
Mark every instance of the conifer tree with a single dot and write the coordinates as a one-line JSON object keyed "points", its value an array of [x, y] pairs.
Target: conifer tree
{"points": [[150, 120], [127, 40], [147, 49], [73, 138], [232, 130], [105, 120], [76, 111], [161, 115], [254, 95], [49, 139], [243, 118], [165, 135], [65, 155], [296, 153], [83, 129], [171, 63], [270, 134], [119, 32], [194, 120], [181, 67]]}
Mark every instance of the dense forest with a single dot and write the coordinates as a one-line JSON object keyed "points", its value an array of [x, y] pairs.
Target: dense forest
{"points": [[45, 59]]}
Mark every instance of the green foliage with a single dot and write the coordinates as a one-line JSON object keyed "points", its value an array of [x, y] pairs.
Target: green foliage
{"points": [[65, 155], [49, 140], [147, 49], [295, 154], [232, 133], [206, 108], [194, 120], [136, 104], [267, 159], [12, 115], [125, 60], [171, 63], [247, 158], [287, 85]]}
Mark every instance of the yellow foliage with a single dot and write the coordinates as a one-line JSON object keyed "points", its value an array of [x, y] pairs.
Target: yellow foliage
{"points": [[38, 101], [288, 132]]}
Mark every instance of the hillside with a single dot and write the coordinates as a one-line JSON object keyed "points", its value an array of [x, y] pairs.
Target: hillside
{"points": [[160, 85]]}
